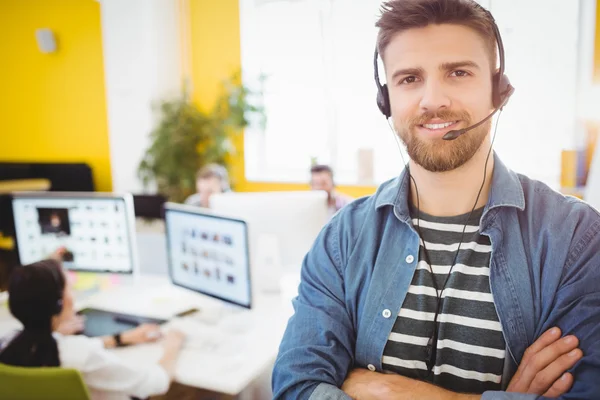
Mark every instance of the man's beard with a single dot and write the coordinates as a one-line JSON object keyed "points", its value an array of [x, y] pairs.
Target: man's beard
{"points": [[438, 155]]}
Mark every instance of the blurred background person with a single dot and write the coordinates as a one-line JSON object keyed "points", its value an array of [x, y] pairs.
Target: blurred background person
{"points": [[41, 299], [212, 178], [321, 178]]}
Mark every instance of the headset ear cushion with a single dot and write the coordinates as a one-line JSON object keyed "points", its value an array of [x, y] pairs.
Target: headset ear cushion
{"points": [[502, 90], [383, 101]]}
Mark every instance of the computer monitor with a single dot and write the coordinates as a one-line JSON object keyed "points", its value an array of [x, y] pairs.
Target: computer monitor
{"points": [[97, 229], [208, 253], [282, 226]]}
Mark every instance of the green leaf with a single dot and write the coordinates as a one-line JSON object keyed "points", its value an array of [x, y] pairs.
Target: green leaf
{"points": [[186, 138]]}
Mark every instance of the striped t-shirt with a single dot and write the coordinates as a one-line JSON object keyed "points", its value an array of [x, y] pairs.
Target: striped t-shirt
{"points": [[470, 346]]}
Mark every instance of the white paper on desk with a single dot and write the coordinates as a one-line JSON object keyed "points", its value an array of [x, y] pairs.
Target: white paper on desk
{"points": [[267, 266]]}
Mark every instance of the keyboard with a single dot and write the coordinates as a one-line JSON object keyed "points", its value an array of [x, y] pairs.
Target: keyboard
{"points": [[205, 337]]}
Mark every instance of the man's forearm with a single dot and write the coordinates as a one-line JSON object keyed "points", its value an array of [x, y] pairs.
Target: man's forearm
{"points": [[364, 384], [401, 388]]}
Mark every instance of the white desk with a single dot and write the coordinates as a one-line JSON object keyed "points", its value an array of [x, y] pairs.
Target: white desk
{"points": [[229, 373]]}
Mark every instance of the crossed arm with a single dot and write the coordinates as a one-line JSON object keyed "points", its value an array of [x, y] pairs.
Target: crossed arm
{"points": [[317, 354], [543, 371]]}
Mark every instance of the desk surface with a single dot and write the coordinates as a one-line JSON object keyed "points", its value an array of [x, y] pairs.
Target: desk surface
{"points": [[254, 334]]}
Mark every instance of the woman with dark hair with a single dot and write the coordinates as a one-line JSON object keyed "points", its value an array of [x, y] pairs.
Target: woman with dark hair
{"points": [[41, 299], [36, 300]]}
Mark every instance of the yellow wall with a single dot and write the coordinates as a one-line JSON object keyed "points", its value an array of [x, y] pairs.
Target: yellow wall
{"points": [[52, 106]]}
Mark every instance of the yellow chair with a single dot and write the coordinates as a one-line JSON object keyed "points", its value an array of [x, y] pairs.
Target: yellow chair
{"points": [[45, 383]]}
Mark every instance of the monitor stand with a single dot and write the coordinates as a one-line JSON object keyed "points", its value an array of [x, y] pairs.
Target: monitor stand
{"points": [[267, 264]]}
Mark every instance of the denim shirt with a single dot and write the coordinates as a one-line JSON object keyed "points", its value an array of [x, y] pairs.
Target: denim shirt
{"points": [[544, 272]]}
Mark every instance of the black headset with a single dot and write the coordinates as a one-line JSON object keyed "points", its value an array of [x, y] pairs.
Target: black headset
{"points": [[501, 87], [57, 307]]}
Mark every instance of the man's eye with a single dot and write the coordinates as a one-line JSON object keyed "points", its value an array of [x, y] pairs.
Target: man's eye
{"points": [[460, 73], [408, 79]]}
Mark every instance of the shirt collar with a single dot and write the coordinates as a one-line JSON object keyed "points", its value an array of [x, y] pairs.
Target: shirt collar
{"points": [[506, 191]]}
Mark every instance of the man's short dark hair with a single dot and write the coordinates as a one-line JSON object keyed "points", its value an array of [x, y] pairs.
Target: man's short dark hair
{"points": [[400, 15]]}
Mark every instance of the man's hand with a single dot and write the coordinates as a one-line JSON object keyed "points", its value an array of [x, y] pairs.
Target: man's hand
{"points": [[543, 369]]}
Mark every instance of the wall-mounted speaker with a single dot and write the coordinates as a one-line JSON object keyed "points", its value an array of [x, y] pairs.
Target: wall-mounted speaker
{"points": [[46, 40]]}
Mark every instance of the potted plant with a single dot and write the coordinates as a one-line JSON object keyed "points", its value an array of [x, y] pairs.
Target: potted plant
{"points": [[187, 138]]}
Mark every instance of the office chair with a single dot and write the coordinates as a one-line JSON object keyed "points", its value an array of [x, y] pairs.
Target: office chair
{"points": [[48, 383]]}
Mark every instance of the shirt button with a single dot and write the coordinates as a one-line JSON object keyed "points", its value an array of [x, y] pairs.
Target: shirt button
{"points": [[410, 259], [371, 367], [386, 313]]}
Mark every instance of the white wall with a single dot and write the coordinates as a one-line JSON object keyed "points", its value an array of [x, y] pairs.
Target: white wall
{"points": [[142, 61], [589, 94]]}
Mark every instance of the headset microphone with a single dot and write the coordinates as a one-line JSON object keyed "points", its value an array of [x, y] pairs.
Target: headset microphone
{"points": [[451, 135]]}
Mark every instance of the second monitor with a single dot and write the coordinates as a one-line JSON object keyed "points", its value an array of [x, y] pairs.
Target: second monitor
{"points": [[208, 253]]}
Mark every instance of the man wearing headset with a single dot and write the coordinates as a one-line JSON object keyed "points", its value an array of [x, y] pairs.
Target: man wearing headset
{"points": [[210, 179], [459, 279]]}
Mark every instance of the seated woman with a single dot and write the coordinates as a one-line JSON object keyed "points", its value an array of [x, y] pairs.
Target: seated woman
{"points": [[41, 299]]}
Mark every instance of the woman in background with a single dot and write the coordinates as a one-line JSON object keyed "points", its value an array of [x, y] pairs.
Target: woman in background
{"points": [[41, 299]]}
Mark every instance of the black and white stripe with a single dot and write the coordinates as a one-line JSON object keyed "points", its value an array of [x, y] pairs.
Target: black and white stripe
{"points": [[470, 347]]}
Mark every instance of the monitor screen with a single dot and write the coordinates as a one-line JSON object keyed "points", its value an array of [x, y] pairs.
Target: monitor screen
{"points": [[208, 253], [97, 230]]}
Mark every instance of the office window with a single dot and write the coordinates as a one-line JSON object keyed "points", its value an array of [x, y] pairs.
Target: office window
{"points": [[320, 95]]}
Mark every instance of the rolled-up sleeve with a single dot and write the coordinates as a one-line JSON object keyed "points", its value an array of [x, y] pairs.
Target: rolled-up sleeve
{"points": [[317, 349]]}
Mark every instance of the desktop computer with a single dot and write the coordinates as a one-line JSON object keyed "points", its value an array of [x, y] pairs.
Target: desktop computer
{"points": [[208, 253], [97, 229], [282, 226]]}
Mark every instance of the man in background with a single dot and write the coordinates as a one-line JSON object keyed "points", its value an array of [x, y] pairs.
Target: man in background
{"points": [[212, 178], [321, 178]]}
